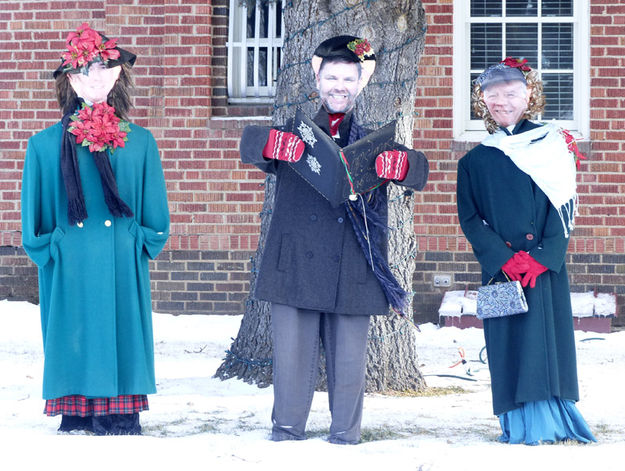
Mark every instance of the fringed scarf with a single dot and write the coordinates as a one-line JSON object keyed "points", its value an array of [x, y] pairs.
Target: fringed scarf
{"points": [[371, 230], [544, 155], [76, 208]]}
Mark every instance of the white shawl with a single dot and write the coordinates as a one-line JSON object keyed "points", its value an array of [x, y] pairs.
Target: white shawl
{"points": [[543, 154]]}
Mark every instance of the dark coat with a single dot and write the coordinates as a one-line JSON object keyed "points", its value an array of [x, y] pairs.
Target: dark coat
{"points": [[312, 259], [531, 356]]}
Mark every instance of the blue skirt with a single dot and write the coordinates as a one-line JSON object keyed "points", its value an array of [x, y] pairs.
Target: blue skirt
{"points": [[546, 421]]}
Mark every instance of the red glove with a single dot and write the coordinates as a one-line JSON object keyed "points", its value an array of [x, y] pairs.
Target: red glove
{"points": [[392, 164], [515, 268], [283, 146], [535, 269]]}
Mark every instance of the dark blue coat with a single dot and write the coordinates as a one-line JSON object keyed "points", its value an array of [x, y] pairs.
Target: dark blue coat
{"points": [[531, 356], [312, 259]]}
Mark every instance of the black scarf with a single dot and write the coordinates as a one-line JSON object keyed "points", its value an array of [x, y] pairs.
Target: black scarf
{"points": [[365, 215], [76, 208]]}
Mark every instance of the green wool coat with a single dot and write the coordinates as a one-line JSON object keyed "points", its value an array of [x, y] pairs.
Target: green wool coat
{"points": [[94, 285], [531, 356]]}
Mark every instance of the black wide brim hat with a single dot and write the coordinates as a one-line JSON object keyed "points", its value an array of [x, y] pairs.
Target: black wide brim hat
{"points": [[338, 47], [125, 57]]}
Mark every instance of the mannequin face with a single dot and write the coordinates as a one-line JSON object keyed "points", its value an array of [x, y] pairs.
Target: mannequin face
{"points": [[338, 86], [507, 102], [96, 86]]}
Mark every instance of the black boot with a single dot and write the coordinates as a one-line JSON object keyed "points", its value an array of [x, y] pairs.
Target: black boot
{"points": [[117, 424], [75, 422]]}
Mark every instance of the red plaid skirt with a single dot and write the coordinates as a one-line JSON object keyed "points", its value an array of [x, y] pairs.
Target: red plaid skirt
{"points": [[83, 407]]}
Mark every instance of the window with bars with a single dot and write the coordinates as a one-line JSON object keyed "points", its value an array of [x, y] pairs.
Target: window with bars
{"points": [[254, 49], [551, 34]]}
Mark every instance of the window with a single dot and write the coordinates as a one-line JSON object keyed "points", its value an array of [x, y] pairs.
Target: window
{"points": [[254, 49], [551, 34]]}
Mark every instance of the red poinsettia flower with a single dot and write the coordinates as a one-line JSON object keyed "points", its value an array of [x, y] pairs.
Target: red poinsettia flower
{"points": [[84, 45], [517, 63], [360, 47], [571, 142], [99, 128]]}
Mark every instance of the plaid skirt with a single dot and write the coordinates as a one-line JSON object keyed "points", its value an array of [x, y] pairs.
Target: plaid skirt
{"points": [[84, 407]]}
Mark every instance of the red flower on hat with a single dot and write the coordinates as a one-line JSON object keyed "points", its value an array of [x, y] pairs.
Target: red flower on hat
{"points": [[85, 45], [361, 47], [571, 142], [99, 128], [517, 63]]}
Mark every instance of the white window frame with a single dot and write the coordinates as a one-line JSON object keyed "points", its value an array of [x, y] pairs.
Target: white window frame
{"points": [[466, 129], [238, 90]]}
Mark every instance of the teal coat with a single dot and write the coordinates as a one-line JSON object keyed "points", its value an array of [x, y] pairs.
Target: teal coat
{"points": [[94, 285], [531, 356]]}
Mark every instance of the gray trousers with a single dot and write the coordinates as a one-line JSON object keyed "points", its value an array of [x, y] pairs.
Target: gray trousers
{"points": [[296, 334]]}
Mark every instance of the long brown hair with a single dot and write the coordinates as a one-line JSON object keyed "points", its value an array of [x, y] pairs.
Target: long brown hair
{"points": [[118, 98], [535, 106]]}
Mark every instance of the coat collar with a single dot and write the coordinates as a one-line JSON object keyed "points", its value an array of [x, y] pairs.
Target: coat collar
{"points": [[521, 126]]}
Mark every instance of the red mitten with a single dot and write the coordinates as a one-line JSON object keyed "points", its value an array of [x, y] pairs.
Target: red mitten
{"points": [[515, 268], [392, 164], [283, 146], [535, 269]]}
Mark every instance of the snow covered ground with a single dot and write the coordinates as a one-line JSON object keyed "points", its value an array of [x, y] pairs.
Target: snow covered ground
{"points": [[198, 422]]}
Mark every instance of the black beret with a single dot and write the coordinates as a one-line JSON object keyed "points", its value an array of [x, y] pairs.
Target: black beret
{"points": [[350, 48]]}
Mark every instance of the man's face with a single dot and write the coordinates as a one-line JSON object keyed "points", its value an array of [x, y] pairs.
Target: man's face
{"points": [[338, 85], [507, 101], [96, 86]]}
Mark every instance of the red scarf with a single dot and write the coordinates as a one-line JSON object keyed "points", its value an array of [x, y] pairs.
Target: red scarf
{"points": [[335, 120]]}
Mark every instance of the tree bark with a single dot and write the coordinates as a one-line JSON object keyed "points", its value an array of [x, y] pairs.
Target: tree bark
{"points": [[397, 34]]}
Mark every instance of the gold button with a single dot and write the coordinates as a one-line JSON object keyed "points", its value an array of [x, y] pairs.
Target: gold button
{"points": [[107, 223], [80, 224]]}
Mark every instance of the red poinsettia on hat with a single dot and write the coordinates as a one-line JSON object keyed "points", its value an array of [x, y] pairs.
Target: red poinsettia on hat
{"points": [[361, 47], [85, 45], [517, 63]]}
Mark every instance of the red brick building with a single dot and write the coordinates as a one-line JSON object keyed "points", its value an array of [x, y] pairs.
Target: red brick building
{"points": [[198, 85]]}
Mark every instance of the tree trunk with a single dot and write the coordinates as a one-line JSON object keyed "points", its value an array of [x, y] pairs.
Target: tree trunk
{"points": [[397, 33]]}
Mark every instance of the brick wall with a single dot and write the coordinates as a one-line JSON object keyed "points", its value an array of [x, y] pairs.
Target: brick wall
{"points": [[181, 96]]}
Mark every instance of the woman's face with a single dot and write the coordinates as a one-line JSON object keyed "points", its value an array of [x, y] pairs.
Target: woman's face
{"points": [[96, 86], [507, 102]]}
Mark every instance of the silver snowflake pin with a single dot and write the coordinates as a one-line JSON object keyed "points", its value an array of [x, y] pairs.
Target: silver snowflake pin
{"points": [[307, 134], [314, 164]]}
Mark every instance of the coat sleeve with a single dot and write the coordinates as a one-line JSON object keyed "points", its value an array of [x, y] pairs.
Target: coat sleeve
{"points": [[253, 141], [489, 248], [152, 230], [418, 170], [551, 251], [37, 244]]}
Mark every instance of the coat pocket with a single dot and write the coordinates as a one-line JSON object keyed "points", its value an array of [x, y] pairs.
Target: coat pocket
{"points": [[285, 258], [55, 239]]}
